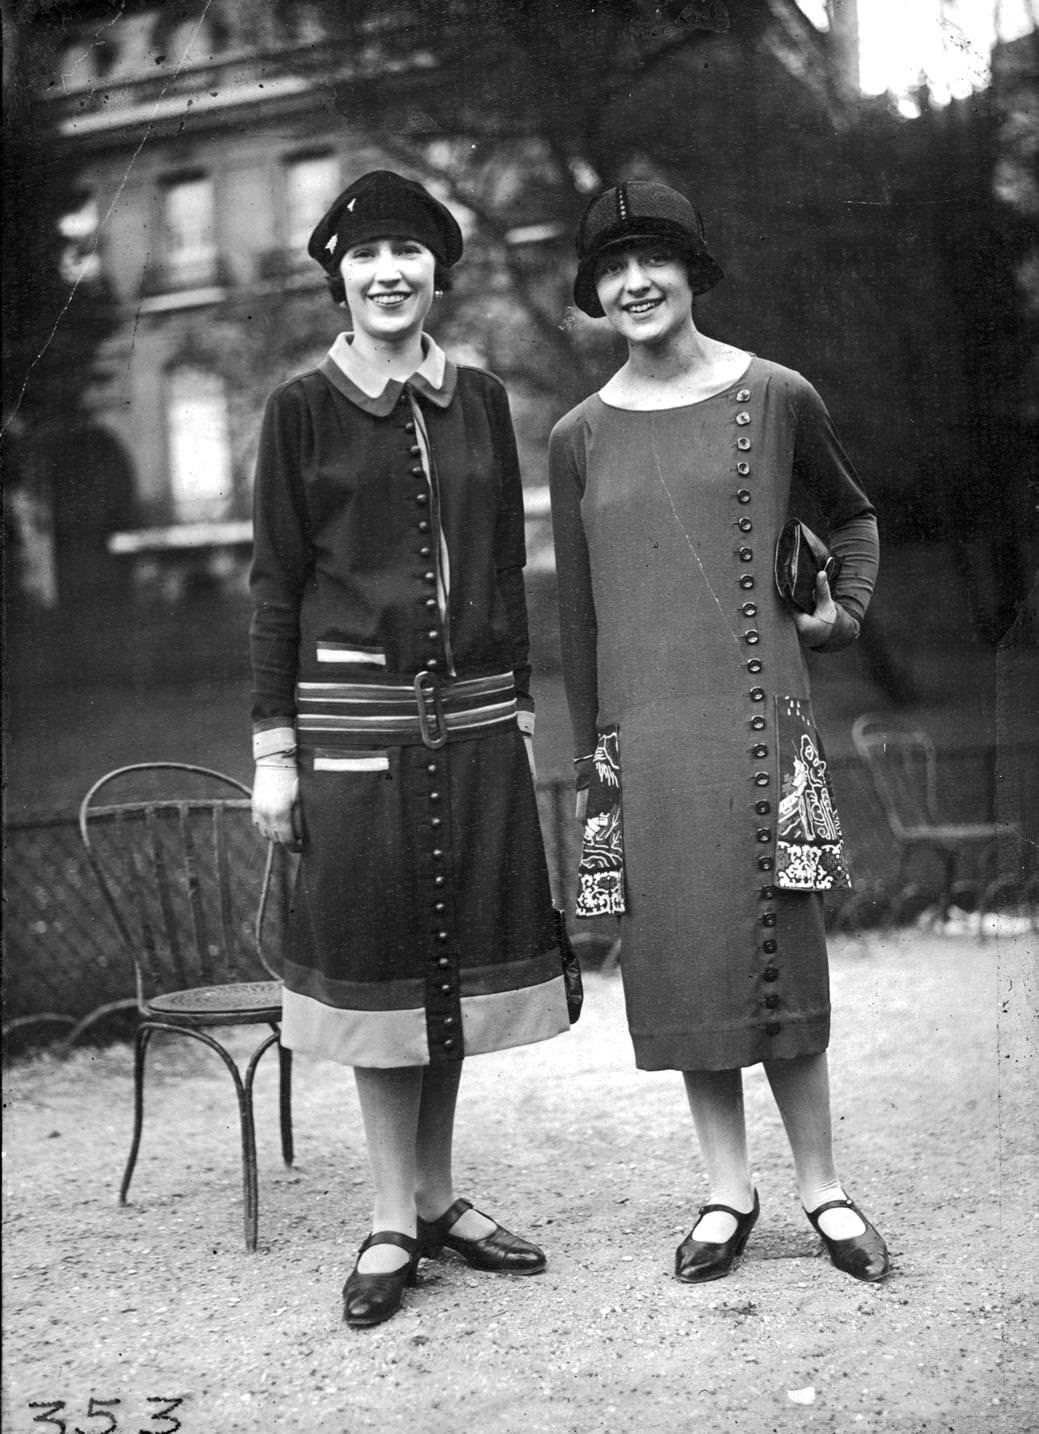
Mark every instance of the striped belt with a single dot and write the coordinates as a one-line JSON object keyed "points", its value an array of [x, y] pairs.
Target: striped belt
{"points": [[427, 709]]}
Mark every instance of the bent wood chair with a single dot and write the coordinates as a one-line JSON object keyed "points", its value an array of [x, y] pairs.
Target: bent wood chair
{"points": [[903, 768], [187, 880]]}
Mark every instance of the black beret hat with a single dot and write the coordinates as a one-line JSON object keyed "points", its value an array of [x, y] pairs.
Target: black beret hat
{"points": [[378, 205], [640, 209]]}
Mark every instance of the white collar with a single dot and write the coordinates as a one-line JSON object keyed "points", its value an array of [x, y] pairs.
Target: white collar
{"points": [[370, 380]]}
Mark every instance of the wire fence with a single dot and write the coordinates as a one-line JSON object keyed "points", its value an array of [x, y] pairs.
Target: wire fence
{"points": [[64, 963]]}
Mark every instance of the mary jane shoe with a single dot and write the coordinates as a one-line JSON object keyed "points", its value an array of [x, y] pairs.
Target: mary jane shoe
{"points": [[501, 1251], [370, 1299], [864, 1256], [697, 1261]]}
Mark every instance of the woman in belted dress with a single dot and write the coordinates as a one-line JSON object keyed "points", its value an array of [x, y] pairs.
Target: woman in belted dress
{"points": [[709, 824], [393, 727]]}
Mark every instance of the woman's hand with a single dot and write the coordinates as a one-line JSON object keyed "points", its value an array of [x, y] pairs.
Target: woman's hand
{"points": [[276, 813], [815, 627]]}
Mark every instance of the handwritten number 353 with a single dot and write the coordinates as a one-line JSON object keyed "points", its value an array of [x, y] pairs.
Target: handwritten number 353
{"points": [[101, 1409]]}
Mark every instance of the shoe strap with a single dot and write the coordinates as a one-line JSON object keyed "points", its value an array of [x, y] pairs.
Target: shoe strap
{"points": [[724, 1210], [844, 1204], [450, 1217], [390, 1237]]}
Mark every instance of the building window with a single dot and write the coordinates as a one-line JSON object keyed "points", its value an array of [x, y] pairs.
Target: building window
{"points": [[199, 445], [189, 244], [311, 183]]}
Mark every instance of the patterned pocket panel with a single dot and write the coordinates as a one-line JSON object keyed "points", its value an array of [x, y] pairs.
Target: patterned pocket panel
{"points": [[810, 854]]}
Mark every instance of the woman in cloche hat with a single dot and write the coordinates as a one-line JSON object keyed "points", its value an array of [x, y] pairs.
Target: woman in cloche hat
{"points": [[709, 824], [392, 722]]}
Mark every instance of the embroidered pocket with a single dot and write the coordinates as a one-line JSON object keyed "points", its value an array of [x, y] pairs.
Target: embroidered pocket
{"points": [[350, 652], [329, 761], [810, 854], [600, 875]]}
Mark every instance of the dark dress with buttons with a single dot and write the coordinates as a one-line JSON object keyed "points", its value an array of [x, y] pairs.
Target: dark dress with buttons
{"points": [[389, 545], [665, 527]]}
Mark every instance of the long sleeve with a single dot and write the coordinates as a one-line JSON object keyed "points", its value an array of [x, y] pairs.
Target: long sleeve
{"points": [[281, 561], [578, 626], [825, 470]]}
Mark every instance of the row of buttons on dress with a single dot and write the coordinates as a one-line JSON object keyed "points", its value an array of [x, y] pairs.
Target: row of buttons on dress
{"points": [[758, 751], [427, 629], [443, 1012]]}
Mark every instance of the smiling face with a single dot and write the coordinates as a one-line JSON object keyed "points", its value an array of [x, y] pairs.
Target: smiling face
{"points": [[644, 290], [389, 287]]}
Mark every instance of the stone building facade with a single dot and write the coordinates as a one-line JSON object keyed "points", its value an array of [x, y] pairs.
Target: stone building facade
{"points": [[205, 151]]}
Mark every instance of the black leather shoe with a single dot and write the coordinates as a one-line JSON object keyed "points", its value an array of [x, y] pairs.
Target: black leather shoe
{"points": [[369, 1299], [864, 1256], [500, 1251], [699, 1260]]}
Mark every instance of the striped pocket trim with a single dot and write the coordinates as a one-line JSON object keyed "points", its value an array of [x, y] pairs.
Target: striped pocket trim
{"points": [[343, 652], [351, 762]]}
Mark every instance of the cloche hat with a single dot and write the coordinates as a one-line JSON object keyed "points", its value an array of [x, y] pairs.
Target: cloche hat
{"points": [[640, 209], [379, 204]]}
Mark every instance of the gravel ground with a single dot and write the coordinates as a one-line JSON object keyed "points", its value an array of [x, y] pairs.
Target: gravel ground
{"points": [[933, 1079]]}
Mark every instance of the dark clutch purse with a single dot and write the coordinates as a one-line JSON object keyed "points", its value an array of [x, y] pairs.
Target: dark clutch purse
{"points": [[571, 968], [800, 557]]}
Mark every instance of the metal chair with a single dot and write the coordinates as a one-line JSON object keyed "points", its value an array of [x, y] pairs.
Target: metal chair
{"points": [[187, 881], [902, 766]]}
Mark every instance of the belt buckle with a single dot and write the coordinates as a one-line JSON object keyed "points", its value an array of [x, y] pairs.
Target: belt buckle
{"points": [[427, 699]]}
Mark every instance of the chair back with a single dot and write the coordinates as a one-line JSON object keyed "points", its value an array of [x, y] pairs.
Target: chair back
{"points": [[182, 870], [902, 767]]}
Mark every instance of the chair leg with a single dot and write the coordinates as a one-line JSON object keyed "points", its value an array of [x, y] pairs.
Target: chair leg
{"points": [[288, 1149], [250, 1179], [143, 1037], [244, 1095]]}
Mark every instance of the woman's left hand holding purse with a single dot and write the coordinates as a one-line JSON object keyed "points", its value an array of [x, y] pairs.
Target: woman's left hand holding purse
{"points": [[814, 628]]}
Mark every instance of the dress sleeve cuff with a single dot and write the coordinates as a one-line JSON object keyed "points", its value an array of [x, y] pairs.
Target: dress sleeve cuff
{"points": [[273, 739]]}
